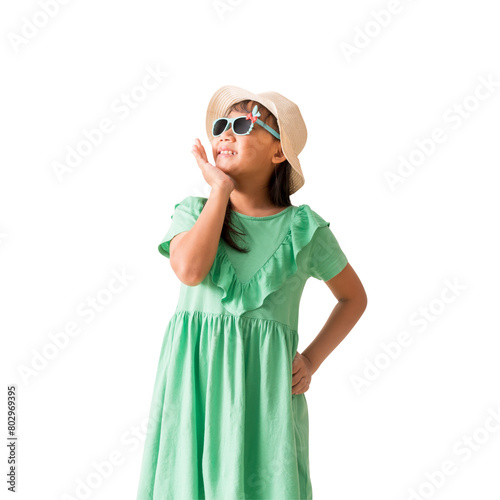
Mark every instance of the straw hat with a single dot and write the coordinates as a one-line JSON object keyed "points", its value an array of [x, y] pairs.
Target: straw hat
{"points": [[292, 128]]}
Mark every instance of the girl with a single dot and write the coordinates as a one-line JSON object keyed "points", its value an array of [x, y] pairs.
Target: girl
{"points": [[229, 417]]}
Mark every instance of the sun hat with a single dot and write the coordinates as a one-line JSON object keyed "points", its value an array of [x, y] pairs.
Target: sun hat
{"points": [[292, 128]]}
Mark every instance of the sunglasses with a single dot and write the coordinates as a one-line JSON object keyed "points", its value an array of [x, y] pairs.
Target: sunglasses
{"points": [[242, 125]]}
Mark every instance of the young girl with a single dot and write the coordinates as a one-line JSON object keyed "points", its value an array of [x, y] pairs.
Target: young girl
{"points": [[229, 417]]}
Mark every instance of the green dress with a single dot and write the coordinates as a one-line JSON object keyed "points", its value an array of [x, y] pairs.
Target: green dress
{"points": [[223, 422]]}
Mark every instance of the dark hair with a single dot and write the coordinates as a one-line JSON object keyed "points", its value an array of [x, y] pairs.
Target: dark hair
{"points": [[278, 187]]}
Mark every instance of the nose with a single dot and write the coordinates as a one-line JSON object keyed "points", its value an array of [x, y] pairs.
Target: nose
{"points": [[227, 134]]}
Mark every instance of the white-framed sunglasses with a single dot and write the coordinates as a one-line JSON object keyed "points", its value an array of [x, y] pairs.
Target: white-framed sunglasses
{"points": [[242, 125]]}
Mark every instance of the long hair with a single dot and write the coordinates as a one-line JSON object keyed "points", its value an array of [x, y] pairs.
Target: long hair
{"points": [[278, 187]]}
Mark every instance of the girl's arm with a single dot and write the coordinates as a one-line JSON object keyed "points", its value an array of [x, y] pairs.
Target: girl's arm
{"points": [[192, 252], [352, 302]]}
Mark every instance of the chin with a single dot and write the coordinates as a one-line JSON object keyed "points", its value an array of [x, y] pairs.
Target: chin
{"points": [[221, 165]]}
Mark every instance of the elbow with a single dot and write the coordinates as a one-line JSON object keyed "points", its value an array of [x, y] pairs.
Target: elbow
{"points": [[188, 275], [364, 303], [362, 299], [358, 300], [189, 271], [191, 281], [183, 271]]}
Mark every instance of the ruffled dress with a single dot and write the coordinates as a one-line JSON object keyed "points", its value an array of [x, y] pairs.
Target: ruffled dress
{"points": [[223, 422]]}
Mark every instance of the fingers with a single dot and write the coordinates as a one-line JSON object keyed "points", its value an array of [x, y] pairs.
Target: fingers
{"points": [[301, 387], [198, 155], [195, 149], [200, 150], [299, 378]]}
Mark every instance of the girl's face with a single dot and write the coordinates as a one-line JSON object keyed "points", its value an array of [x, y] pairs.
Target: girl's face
{"points": [[256, 154]]}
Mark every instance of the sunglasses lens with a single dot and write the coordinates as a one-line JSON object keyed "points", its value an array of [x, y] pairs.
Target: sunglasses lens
{"points": [[219, 127], [241, 125]]}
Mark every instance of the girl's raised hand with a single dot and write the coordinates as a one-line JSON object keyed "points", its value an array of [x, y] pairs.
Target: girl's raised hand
{"points": [[212, 174]]}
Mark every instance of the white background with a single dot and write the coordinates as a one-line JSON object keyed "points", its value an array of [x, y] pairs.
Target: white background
{"points": [[63, 236]]}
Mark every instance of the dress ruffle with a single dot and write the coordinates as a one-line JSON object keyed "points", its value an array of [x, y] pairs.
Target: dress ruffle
{"points": [[241, 297]]}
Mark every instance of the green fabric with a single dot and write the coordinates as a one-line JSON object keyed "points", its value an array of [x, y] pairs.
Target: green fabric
{"points": [[261, 249], [224, 423]]}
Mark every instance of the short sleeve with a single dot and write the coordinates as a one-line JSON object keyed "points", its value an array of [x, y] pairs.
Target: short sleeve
{"points": [[184, 217], [325, 258]]}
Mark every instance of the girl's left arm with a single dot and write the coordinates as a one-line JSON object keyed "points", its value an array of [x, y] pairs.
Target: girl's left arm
{"points": [[352, 302]]}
